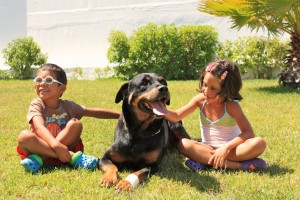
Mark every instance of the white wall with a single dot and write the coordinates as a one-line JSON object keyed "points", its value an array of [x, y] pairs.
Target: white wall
{"points": [[74, 32], [12, 23]]}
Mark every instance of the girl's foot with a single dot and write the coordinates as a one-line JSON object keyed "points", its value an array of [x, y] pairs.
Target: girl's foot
{"points": [[254, 164], [80, 160], [33, 163], [195, 166]]}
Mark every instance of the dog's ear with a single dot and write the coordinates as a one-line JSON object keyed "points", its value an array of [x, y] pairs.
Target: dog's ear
{"points": [[168, 102], [122, 92]]}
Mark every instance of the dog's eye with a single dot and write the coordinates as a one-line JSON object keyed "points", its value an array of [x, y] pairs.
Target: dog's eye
{"points": [[145, 82], [163, 82], [144, 85]]}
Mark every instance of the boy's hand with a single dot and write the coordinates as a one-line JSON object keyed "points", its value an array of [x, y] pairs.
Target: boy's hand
{"points": [[62, 152]]}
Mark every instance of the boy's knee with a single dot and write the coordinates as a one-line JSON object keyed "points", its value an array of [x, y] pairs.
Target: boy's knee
{"points": [[24, 136], [74, 123]]}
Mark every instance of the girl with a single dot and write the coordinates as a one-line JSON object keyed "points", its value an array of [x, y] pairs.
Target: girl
{"points": [[228, 140]]}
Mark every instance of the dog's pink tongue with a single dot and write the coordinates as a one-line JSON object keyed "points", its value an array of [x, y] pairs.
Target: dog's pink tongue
{"points": [[159, 108]]}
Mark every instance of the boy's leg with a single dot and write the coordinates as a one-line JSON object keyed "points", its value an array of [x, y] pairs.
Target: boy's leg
{"points": [[30, 147], [70, 135], [30, 143]]}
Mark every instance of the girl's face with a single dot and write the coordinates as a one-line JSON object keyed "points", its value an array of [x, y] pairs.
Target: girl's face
{"points": [[48, 91], [211, 87]]}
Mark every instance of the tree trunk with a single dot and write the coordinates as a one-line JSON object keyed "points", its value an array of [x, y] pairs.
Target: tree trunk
{"points": [[290, 75]]}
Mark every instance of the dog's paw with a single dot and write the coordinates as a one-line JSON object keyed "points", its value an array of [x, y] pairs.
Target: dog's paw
{"points": [[124, 185], [109, 180]]}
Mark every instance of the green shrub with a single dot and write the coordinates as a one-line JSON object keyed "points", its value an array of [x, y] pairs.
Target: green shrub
{"points": [[105, 72], [177, 53], [258, 57], [21, 54], [4, 74], [77, 73], [118, 51]]}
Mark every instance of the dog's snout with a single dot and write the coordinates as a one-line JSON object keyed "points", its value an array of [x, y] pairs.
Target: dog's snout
{"points": [[163, 88]]}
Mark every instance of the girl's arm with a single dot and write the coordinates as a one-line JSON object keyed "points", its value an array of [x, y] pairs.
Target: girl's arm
{"points": [[179, 114], [101, 113], [219, 155], [235, 110]]}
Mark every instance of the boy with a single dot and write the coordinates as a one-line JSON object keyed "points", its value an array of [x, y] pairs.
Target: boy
{"points": [[55, 127]]}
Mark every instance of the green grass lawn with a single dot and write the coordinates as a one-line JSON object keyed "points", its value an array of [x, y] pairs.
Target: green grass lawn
{"points": [[274, 113]]}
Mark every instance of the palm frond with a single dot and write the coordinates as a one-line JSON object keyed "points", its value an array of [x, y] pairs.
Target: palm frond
{"points": [[277, 7], [276, 16], [223, 8]]}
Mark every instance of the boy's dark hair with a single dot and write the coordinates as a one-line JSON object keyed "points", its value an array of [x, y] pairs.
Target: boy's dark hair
{"points": [[59, 72], [231, 78]]}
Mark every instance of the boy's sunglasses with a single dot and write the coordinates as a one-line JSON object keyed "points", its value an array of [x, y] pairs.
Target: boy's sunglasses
{"points": [[48, 80]]}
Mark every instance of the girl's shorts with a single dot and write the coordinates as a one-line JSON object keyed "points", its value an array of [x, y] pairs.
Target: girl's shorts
{"points": [[54, 161]]}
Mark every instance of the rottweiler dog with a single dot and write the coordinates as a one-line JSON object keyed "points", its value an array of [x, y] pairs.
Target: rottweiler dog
{"points": [[142, 135]]}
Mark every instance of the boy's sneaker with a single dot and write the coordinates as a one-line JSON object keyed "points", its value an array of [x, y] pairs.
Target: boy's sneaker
{"points": [[32, 163], [80, 160], [254, 164], [194, 165]]}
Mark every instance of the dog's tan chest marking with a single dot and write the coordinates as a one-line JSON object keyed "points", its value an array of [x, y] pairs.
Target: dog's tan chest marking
{"points": [[151, 157], [116, 157]]}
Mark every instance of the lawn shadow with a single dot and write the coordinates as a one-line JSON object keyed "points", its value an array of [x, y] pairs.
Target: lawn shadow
{"points": [[275, 170], [278, 89], [173, 168], [51, 168]]}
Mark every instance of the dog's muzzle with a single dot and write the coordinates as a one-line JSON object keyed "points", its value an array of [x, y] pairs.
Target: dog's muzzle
{"points": [[156, 106]]}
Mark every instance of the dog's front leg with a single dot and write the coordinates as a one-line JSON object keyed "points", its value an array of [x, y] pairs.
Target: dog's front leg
{"points": [[132, 180], [178, 130], [110, 170]]}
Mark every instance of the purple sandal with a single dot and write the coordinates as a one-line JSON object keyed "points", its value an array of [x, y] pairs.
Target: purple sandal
{"points": [[194, 165], [254, 164]]}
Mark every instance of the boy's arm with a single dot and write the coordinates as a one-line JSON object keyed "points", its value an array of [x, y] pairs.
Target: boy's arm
{"points": [[42, 132], [101, 113]]}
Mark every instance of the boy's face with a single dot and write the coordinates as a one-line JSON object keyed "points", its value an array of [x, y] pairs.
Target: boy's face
{"points": [[48, 92]]}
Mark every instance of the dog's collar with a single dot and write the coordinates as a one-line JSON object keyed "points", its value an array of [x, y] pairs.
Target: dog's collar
{"points": [[157, 132]]}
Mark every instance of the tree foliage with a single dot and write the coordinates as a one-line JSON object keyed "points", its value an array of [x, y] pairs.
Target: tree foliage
{"points": [[21, 54], [177, 53], [275, 16], [258, 57]]}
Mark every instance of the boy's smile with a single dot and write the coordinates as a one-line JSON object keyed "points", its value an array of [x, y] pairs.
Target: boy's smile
{"points": [[51, 92]]}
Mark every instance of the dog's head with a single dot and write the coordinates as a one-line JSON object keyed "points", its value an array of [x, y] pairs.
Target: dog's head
{"points": [[146, 96]]}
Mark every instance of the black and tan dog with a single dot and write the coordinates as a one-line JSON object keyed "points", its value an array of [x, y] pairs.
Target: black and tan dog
{"points": [[142, 134]]}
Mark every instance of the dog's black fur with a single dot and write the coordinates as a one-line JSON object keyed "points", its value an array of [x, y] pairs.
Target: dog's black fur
{"points": [[141, 136]]}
